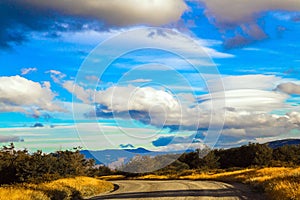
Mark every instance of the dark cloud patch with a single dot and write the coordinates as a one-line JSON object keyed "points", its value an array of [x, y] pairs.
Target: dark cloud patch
{"points": [[244, 20], [289, 88], [126, 146], [102, 111], [141, 116], [18, 20], [169, 140], [296, 18], [163, 141], [243, 35]]}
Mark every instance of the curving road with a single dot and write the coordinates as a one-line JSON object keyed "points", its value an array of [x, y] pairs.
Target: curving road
{"points": [[179, 189]]}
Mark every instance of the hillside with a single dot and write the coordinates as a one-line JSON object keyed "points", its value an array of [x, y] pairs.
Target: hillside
{"points": [[280, 143]]}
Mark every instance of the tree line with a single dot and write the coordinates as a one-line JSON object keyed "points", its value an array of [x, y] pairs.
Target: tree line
{"points": [[246, 156], [18, 166]]}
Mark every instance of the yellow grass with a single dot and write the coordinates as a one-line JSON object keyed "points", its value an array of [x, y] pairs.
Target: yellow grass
{"points": [[153, 177], [7, 193], [112, 177], [63, 189], [279, 183]]}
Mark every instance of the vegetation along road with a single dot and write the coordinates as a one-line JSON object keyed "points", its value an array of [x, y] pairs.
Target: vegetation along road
{"points": [[179, 189]]}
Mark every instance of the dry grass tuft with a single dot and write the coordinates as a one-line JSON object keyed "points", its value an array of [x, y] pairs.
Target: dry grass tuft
{"points": [[112, 177], [153, 177]]}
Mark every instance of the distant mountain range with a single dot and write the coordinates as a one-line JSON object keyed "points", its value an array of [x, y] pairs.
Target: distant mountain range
{"points": [[115, 157], [280, 143]]}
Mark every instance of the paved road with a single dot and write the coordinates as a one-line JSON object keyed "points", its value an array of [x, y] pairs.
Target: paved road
{"points": [[179, 189]]}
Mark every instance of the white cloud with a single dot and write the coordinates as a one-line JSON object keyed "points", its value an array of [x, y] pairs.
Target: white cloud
{"points": [[159, 104], [85, 95], [248, 99], [181, 147], [88, 37], [92, 79], [197, 48], [54, 72], [234, 132], [18, 94], [56, 76], [164, 39], [135, 98], [248, 93], [140, 81], [257, 81], [294, 117], [25, 71], [119, 12]]}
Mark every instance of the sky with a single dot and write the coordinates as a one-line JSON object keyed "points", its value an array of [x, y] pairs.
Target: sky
{"points": [[164, 75]]}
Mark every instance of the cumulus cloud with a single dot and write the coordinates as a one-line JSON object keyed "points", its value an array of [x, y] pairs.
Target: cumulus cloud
{"points": [[18, 94], [137, 98], [25, 71], [289, 88], [119, 12], [149, 105], [20, 17]]}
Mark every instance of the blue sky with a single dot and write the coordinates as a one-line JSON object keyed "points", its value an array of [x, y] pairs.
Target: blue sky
{"points": [[183, 73]]}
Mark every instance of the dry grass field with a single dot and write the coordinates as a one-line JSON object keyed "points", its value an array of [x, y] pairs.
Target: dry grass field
{"points": [[62, 189], [278, 183]]}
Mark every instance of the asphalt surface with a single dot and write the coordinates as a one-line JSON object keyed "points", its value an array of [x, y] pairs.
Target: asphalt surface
{"points": [[179, 189]]}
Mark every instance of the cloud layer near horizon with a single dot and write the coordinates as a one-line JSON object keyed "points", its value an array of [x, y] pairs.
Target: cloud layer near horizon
{"points": [[249, 103]]}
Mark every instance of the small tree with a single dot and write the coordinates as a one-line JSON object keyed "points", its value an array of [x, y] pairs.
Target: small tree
{"points": [[211, 161]]}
